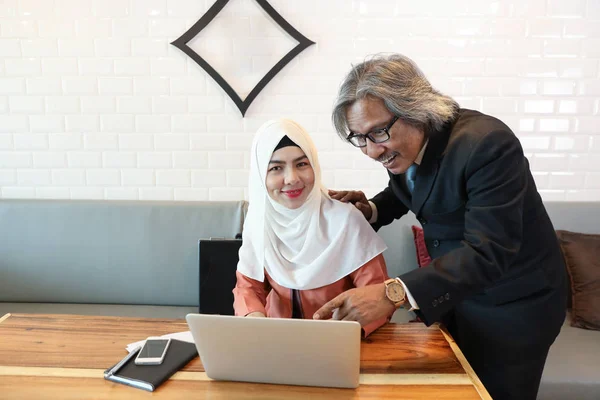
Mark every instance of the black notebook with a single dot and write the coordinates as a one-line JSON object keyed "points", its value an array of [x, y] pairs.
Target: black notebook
{"points": [[149, 377]]}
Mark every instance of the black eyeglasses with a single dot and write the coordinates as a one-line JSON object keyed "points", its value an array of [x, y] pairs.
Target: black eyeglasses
{"points": [[376, 136]]}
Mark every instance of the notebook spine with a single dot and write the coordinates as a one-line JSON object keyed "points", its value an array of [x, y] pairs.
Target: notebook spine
{"points": [[131, 382]]}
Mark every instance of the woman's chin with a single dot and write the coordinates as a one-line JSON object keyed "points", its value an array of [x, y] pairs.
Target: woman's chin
{"points": [[293, 204]]}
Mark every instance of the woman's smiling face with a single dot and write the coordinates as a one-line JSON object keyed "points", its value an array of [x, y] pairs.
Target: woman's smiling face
{"points": [[290, 177]]}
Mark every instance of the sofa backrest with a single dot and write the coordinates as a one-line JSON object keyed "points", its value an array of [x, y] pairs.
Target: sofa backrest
{"points": [[120, 252], [141, 252], [581, 217], [400, 256]]}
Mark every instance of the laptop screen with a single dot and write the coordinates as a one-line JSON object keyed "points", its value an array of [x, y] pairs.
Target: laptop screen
{"points": [[218, 260]]}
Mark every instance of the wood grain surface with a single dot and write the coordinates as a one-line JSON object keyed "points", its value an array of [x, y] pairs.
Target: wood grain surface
{"points": [[70, 341], [67, 354]]}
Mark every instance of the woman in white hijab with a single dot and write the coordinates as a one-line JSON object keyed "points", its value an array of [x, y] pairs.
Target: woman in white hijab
{"points": [[300, 248]]}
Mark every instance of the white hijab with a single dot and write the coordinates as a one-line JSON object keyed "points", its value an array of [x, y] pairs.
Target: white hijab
{"points": [[312, 246]]}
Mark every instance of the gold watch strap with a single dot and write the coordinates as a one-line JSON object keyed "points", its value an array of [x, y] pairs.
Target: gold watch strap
{"points": [[402, 301]]}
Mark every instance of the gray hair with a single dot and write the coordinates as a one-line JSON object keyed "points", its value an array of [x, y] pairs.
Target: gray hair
{"points": [[402, 86]]}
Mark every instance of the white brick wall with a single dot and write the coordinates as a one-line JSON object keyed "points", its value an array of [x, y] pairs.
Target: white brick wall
{"points": [[96, 104]]}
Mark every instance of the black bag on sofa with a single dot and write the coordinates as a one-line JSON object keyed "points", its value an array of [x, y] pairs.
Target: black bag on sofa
{"points": [[218, 260]]}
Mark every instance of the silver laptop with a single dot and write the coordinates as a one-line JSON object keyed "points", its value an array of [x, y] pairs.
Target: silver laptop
{"points": [[276, 350]]}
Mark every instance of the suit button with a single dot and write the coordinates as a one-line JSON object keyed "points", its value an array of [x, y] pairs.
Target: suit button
{"points": [[434, 303], [441, 299], [436, 243], [447, 296]]}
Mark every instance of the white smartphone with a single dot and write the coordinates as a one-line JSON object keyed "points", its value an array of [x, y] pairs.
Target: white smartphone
{"points": [[153, 352]]}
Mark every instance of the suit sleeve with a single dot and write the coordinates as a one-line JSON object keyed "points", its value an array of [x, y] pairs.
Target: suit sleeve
{"points": [[249, 295], [495, 176], [389, 207], [371, 273]]}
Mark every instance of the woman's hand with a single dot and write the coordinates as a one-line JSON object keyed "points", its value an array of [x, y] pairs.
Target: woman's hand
{"points": [[256, 314], [355, 197]]}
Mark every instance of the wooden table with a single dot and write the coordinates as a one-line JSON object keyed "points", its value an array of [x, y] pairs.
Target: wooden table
{"points": [[64, 356]]}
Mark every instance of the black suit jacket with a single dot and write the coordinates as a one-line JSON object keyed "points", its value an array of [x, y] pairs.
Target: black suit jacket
{"points": [[497, 278]]}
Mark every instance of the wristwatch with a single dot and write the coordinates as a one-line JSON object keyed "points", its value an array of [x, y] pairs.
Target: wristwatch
{"points": [[395, 292]]}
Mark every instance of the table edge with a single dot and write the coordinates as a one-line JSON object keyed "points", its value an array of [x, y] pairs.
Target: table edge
{"points": [[470, 373], [365, 379], [477, 384], [4, 317]]}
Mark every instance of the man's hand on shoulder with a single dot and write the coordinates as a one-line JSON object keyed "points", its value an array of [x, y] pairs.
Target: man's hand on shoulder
{"points": [[355, 197]]}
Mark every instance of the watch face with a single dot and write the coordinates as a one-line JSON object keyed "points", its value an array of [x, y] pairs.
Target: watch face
{"points": [[395, 292]]}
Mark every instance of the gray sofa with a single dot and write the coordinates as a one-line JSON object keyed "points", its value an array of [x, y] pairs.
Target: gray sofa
{"points": [[124, 258], [573, 366], [133, 258]]}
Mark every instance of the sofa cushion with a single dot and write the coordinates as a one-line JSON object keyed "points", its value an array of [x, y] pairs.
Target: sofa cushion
{"points": [[400, 256], [582, 256], [112, 310], [423, 257], [571, 370]]}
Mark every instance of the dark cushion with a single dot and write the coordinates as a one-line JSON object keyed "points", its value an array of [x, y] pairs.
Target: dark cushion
{"points": [[582, 256], [423, 257]]}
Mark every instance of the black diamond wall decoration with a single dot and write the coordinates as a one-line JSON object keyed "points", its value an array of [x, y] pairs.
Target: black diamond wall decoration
{"points": [[183, 40]]}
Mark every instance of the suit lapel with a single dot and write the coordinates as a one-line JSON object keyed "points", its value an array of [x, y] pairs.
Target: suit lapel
{"points": [[428, 170], [399, 188], [426, 174]]}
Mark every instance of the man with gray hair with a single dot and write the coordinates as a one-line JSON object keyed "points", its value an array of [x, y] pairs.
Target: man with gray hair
{"points": [[497, 276]]}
